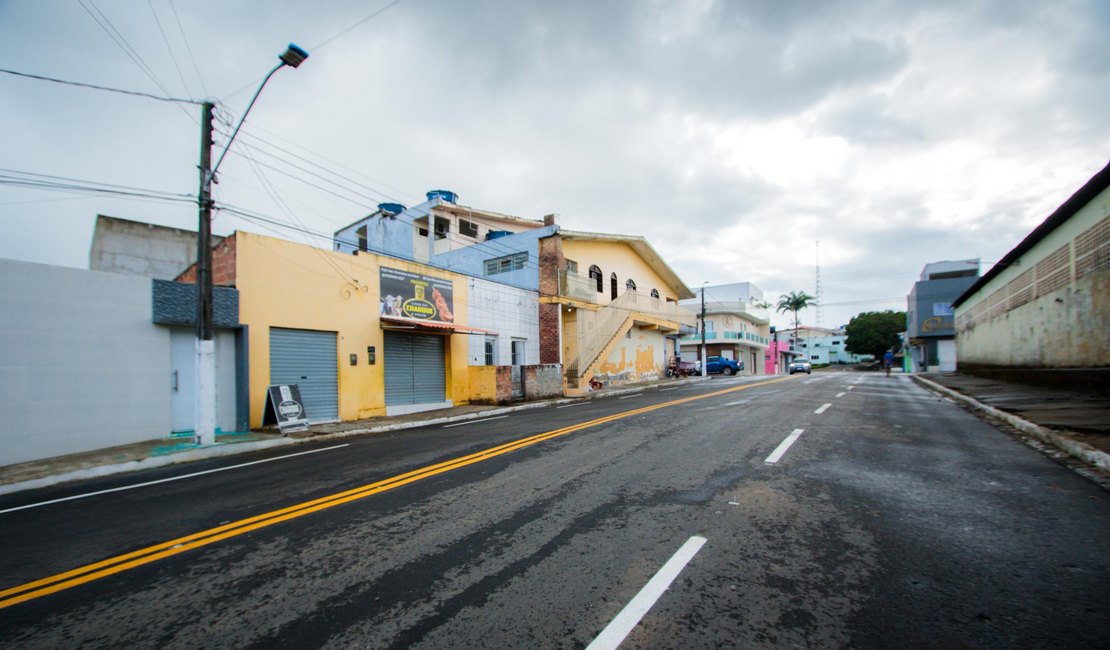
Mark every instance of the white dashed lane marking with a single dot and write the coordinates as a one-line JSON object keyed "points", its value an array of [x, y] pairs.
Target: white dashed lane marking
{"points": [[779, 451]]}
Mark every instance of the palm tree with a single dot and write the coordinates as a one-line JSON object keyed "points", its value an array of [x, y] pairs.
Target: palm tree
{"points": [[794, 301]]}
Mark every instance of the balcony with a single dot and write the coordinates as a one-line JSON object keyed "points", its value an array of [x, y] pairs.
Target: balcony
{"points": [[576, 287]]}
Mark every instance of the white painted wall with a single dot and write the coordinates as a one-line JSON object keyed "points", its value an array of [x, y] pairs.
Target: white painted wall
{"points": [[508, 311], [946, 355], [81, 365]]}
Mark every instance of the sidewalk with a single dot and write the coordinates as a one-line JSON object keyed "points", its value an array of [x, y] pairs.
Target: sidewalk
{"points": [[1075, 420], [169, 451]]}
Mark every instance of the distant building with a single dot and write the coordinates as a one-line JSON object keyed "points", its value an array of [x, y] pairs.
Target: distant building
{"points": [[737, 326], [820, 345], [930, 318], [1046, 304], [134, 248]]}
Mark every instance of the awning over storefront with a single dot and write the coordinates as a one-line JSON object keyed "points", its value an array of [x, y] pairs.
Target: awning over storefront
{"points": [[399, 322]]}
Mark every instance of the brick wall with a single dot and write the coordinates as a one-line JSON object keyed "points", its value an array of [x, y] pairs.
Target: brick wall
{"points": [[551, 261], [549, 333], [223, 265], [504, 384]]}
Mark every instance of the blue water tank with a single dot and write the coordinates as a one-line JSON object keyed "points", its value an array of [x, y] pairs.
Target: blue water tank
{"points": [[495, 234], [390, 209], [446, 195]]}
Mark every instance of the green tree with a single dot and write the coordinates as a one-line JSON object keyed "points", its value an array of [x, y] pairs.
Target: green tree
{"points": [[794, 301], [875, 332]]}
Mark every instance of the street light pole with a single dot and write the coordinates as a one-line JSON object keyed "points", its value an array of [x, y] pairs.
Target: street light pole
{"points": [[704, 360], [204, 425]]}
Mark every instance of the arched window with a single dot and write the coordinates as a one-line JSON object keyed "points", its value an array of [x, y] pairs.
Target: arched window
{"points": [[613, 286], [596, 276], [655, 294], [630, 284]]}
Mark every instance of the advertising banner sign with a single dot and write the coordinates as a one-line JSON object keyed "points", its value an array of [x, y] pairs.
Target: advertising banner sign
{"points": [[411, 295], [285, 408]]}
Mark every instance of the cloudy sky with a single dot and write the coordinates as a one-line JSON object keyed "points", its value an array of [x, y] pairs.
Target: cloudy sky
{"points": [[735, 135]]}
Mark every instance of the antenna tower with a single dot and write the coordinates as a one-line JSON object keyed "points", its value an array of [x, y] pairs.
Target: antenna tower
{"points": [[817, 293]]}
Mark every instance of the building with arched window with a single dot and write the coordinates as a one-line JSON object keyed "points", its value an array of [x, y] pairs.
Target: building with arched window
{"points": [[597, 331]]}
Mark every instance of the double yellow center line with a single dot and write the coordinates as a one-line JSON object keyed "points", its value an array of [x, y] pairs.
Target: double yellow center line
{"points": [[121, 563]]}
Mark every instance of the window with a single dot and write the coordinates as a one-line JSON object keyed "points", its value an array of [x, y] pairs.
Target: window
{"points": [[468, 228], [443, 228], [655, 293], [630, 284], [423, 232], [572, 266], [491, 345], [518, 352], [513, 262], [596, 275], [613, 286], [361, 232]]}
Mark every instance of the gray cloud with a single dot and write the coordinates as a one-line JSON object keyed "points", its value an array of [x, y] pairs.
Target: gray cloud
{"points": [[733, 135]]}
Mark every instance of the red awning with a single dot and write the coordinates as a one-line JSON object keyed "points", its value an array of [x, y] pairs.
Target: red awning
{"points": [[431, 324]]}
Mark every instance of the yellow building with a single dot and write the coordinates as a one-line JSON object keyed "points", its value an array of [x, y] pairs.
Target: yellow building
{"points": [[614, 303], [361, 335]]}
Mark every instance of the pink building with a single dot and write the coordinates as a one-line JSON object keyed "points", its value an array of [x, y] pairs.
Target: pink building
{"points": [[777, 357]]}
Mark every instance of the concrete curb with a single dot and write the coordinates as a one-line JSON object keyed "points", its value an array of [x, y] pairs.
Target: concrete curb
{"points": [[150, 462], [1080, 450], [229, 449]]}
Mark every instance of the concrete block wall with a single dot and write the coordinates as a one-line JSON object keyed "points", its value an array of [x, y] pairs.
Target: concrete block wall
{"points": [[134, 248], [543, 381]]}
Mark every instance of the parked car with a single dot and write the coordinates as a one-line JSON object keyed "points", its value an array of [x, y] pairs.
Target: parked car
{"points": [[800, 365], [713, 365]]}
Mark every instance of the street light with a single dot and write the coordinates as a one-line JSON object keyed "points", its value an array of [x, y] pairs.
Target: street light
{"points": [[704, 359], [204, 425]]}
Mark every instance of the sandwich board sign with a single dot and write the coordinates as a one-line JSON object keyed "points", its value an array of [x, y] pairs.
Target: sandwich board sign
{"points": [[285, 408]]}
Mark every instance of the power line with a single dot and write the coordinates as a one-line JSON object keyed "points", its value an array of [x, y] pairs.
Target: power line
{"points": [[326, 41], [357, 24], [46, 181], [187, 48], [106, 24], [96, 87], [169, 49]]}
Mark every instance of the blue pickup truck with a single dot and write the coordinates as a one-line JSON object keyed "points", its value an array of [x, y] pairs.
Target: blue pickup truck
{"points": [[714, 365]]}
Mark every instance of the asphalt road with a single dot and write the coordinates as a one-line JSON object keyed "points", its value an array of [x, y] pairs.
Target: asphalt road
{"points": [[837, 510]]}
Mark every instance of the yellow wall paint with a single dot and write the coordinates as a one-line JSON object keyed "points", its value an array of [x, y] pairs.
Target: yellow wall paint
{"points": [[282, 284], [619, 258], [483, 384], [639, 357]]}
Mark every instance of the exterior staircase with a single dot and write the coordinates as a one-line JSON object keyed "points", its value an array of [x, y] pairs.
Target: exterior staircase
{"points": [[600, 332]]}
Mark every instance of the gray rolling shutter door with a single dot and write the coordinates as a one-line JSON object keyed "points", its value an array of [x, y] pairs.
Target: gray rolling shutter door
{"points": [[414, 369], [430, 383], [308, 359], [398, 369]]}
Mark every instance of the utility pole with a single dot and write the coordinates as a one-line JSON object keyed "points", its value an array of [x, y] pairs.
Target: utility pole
{"points": [[704, 359], [205, 397]]}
